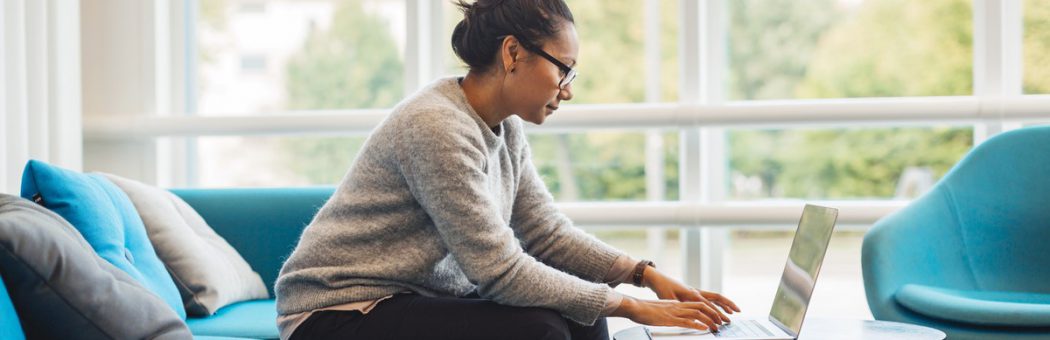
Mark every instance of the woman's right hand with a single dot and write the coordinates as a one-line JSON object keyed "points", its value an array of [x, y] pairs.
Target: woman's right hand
{"points": [[695, 315]]}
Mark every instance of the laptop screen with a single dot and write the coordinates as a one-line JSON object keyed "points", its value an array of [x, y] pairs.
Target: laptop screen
{"points": [[803, 264]]}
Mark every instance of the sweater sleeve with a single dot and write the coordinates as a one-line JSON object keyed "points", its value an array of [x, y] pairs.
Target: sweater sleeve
{"points": [[550, 236], [444, 165]]}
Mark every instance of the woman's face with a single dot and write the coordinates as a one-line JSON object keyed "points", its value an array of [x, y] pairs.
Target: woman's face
{"points": [[533, 90]]}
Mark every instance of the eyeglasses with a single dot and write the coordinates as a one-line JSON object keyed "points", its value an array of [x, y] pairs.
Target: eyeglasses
{"points": [[568, 74]]}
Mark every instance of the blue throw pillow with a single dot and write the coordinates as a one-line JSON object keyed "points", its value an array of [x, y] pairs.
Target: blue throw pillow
{"points": [[107, 219]]}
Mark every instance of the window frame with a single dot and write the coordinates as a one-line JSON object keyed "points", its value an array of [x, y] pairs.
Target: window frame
{"points": [[701, 116]]}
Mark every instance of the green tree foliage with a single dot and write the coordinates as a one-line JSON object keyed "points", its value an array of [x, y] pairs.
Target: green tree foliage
{"points": [[610, 165], [895, 48], [771, 43], [611, 51], [605, 165], [883, 48], [845, 163], [1037, 46], [353, 64]]}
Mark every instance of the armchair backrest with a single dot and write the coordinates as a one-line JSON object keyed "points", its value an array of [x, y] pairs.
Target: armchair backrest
{"points": [[262, 224], [1000, 193]]}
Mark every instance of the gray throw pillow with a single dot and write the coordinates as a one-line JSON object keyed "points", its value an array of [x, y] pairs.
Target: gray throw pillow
{"points": [[63, 290], [209, 273]]}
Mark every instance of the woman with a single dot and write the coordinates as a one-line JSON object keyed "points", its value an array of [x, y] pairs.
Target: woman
{"points": [[443, 229]]}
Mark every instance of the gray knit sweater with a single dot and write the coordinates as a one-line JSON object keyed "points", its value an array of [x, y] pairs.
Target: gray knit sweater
{"points": [[439, 204]]}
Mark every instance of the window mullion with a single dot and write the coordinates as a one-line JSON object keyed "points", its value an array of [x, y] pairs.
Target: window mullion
{"points": [[712, 139], [417, 49], [179, 155], [997, 63], [437, 41], [654, 146], [689, 138]]}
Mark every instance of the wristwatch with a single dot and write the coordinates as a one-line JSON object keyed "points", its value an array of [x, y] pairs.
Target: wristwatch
{"points": [[639, 269]]}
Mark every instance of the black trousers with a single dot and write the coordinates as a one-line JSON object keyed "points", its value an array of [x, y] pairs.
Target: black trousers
{"points": [[411, 316]]}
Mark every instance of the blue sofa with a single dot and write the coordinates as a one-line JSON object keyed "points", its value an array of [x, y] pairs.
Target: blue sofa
{"points": [[972, 256], [263, 225]]}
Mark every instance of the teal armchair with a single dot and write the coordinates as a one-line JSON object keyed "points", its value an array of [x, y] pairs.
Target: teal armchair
{"points": [[971, 257]]}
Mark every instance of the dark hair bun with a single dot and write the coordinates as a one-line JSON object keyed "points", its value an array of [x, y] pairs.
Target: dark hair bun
{"points": [[476, 38]]}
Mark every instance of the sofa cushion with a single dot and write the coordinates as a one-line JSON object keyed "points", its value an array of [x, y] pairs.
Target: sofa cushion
{"points": [[248, 319], [263, 224], [209, 273], [1015, 309], [107, 220], [63, 290], [10, 326]]}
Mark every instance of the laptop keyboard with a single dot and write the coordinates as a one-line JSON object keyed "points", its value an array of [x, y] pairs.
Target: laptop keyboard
{"points": [[742, 328]]}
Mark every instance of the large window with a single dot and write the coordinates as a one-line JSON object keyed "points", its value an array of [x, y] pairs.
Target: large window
{"points": [[672, 67], [837, 49]]}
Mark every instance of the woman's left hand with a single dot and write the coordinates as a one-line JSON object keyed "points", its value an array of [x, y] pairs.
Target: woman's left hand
{"points": [[667, 288]]}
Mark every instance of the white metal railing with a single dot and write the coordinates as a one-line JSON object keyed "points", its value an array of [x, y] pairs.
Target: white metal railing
{"points": [[834, 112], [776, 214]]}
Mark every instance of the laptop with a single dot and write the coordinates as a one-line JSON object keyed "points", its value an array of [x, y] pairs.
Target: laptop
{"points": [[796, 284]]}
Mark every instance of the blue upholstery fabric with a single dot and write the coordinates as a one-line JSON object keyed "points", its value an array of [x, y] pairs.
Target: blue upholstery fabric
{"points": [[249, 319], [977, 307], [10, 327], [108, 221], [262, 224], [981, 232]]}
